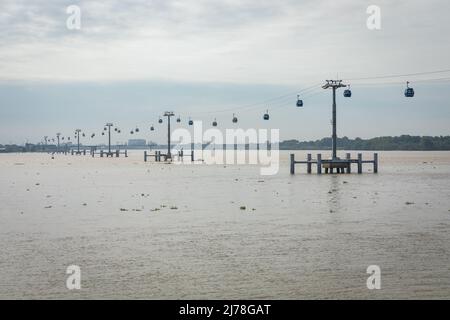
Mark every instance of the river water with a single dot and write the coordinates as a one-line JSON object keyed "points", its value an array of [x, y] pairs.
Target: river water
{"points": [[160, 231]]}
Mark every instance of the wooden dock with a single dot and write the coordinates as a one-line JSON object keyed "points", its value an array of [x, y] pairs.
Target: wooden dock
{"points": [[337, 164], [158, 156]]}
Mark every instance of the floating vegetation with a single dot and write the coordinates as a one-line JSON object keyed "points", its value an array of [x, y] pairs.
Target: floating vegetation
{"points": [[123, 209], [409, 203], [173, 208], [243, 208]]}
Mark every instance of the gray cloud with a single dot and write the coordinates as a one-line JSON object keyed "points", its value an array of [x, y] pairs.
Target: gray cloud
{"points": [[224, 41]]}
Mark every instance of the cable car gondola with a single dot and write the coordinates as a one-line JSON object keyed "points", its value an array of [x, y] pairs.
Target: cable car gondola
{"points": [[409, 92], [160, 120], [191, 122], [178, 119], [347, 92], [131, 132], [235, 119], [299, 101], [214, 123], [152, 128], [136, 130], [266, 115]]}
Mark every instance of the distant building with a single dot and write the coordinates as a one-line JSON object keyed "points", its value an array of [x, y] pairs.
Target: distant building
{"points": [[137, 142]]}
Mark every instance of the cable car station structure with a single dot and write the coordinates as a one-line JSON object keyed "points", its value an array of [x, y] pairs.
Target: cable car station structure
{"points": [[341, 165]]}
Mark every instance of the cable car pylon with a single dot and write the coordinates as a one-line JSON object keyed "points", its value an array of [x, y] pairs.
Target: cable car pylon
{"points": [[334, 84]]}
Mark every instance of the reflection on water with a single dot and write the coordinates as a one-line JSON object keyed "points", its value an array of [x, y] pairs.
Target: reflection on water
{"points": [[334, 193], [147, 230]]}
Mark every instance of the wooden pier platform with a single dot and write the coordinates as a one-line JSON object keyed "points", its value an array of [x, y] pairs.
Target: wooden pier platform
{"points": [[330, 165]]}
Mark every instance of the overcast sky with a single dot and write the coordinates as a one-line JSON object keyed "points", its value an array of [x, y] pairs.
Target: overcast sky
{"points": [[132, 60]]}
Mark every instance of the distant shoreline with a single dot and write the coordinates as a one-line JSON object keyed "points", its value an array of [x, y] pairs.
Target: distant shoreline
{"points": [[387, 143]]}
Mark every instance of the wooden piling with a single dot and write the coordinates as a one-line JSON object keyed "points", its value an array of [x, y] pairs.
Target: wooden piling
{"points": [[359, 163], [101, 153], [349, 167], [145, 156], [375, 163], [319, 163], [292, 163], [192, 156], [309, 163]]}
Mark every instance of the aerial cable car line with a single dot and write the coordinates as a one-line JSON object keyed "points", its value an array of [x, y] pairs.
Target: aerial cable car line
{"points": [[287, 100], [409, 92], [313, 87], [348, 94], [258, 103], [399, 75], [401, 82]]}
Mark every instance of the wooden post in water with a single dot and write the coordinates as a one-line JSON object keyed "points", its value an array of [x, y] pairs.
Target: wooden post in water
{"points": [[319, 163], [101, 153], [308, 158], [145, 156], [349, 167], [375, 163], [192, 155], [292, 163], [359, 163]]}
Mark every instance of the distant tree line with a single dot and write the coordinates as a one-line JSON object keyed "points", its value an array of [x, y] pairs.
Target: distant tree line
{"points": [[404, 142]]}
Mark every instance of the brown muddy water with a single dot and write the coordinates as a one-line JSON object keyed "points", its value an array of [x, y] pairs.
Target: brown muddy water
{"points": [[160, 231]]}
